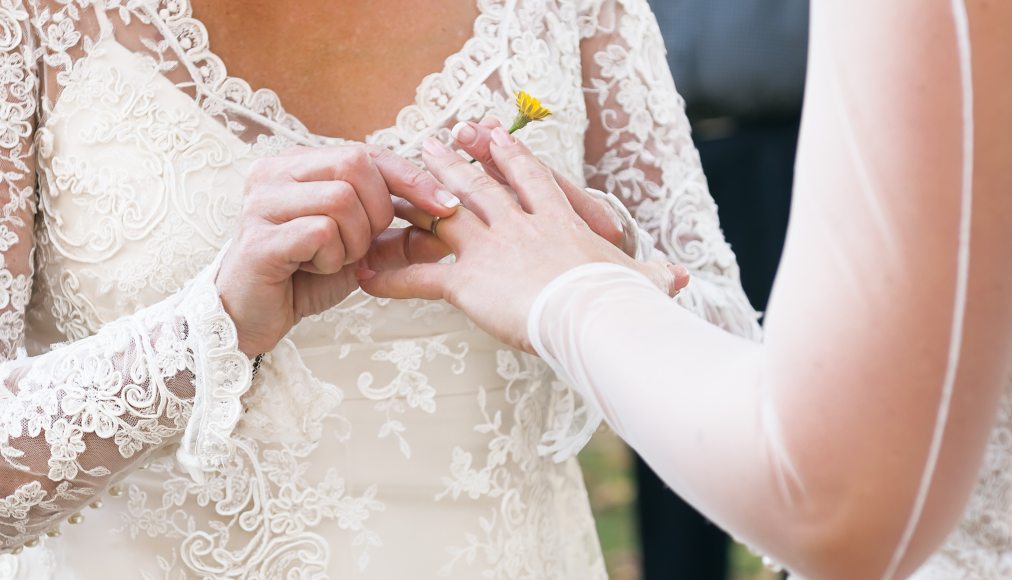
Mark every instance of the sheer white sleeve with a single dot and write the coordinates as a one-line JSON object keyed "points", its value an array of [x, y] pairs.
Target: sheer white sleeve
{"points": [[847, 443], [75, 419], [639, 148]]}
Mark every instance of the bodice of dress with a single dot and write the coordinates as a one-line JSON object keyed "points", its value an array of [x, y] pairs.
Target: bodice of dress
{"points": [[382, 438]]}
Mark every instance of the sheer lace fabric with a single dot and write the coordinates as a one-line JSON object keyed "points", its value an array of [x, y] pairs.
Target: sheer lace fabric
{"points": [[123, 148]]}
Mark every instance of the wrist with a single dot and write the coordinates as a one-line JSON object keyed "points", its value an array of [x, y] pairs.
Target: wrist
{"points": [[250, 342]]}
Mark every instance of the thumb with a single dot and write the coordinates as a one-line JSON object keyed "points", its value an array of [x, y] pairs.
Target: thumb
{"points": [[400, 247], [427, 281]]}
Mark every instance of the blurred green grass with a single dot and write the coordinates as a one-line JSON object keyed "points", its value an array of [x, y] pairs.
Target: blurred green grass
{"points": [[608, 472]]}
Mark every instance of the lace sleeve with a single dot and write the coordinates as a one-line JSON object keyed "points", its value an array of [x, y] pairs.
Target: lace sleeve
{"points": [[78, 417], [18, 102], [639, 148]]}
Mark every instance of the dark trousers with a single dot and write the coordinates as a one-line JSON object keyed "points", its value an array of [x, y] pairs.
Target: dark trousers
{"points": [[750, 169]]}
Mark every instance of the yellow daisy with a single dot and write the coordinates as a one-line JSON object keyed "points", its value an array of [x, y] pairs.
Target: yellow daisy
{"points": [[530, 110]]}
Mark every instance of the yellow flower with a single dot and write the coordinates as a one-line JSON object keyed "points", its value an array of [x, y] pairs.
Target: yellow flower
{"points": [[530, 110]]}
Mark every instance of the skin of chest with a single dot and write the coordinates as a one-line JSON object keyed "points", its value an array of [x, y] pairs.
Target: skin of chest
{"points": [[343, 67]]}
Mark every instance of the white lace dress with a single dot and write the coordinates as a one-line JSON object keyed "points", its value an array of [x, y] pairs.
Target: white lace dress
{"points": [[382, 439]]}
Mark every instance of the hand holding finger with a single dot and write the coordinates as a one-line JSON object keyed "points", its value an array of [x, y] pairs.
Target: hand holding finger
{"points": [[476, 140], [479, 192], [399, 247], [408, 181], [306, 215], [451, 230]]}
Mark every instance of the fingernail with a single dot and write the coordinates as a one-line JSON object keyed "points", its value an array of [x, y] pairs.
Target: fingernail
{"points": [[678, 272], [435, 147], [464, 133], [364, 274], [501, 137], [446, 198]]}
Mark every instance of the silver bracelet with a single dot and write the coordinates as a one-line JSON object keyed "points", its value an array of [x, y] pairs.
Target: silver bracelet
{"points": [[256, 365], [630, 237]]}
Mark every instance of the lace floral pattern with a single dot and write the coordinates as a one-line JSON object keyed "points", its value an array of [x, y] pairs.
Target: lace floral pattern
{"points": [[18, 105], [656, 169], [371, 411], [127, 390]]}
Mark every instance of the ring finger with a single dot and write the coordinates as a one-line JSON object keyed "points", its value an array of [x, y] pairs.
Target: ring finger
{"points": [[478, 191], [451, 230]]}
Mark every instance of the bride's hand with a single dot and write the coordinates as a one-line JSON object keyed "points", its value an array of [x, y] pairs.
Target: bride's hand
{"points": [[476, 139], [506, 251], [306, 215]]}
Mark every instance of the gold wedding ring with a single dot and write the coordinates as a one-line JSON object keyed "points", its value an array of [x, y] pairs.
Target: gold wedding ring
{"points": [[434, 225]]}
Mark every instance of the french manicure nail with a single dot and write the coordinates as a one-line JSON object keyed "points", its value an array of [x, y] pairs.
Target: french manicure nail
{"points": [[678, 271], [501, 137], [464, 133], [447, 199], [435, 147]]}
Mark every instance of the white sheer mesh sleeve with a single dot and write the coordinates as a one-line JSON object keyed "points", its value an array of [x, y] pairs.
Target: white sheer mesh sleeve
{"points": [[847, 443], [639, 148], [76, 418]]}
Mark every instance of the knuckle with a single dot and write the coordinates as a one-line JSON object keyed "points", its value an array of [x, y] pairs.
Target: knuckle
{"points": [[323, 231], [539, 178], [358, 243], [482, 182], [253, 205], [251, 238], [261, 170], [416, 179], [513, 156], [354, 255], [376, 153], [255, 248], [338, 195], [356, 158], [412, 276], [530, 168]]}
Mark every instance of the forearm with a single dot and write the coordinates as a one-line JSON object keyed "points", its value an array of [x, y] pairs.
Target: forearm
{"points": [[877, 383], [81, 416], [684, 393]]}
